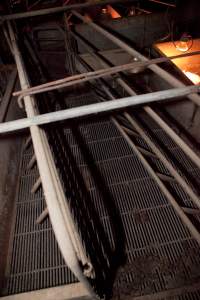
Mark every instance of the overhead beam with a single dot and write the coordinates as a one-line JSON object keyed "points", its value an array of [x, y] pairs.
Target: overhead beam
{"points": [[84, 77], [96, 108], [60, 9]]}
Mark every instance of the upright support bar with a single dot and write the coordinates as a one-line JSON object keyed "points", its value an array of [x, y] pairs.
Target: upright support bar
{"points": [[61, 219], [173, 81]]}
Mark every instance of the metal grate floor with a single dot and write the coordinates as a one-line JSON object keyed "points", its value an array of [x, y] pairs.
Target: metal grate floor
{"points": [[161, 253]]}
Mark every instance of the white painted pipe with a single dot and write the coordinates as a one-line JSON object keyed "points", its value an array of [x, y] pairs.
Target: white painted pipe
{"points": [[54, 195], [96, 108]]}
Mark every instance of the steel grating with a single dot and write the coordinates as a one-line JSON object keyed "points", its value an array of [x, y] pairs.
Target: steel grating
{"points": [[161, 254], [35, 260]]}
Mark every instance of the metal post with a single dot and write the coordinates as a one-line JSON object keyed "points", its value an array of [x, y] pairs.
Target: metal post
{"points": [[155, 68], [61, 219]]}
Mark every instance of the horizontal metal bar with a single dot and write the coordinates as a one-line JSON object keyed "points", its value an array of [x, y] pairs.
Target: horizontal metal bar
{"points": [[59, 9], [42, 216], [191, 211], [83, 77], [96, 108]]}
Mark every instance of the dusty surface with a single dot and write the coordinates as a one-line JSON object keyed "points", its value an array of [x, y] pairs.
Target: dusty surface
{"points": [[9, 165]]}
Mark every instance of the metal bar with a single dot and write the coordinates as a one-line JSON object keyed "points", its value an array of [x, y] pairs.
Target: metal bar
{"points": [[59, 212], [144, 151], [130, 132], [36, 186], [96, 108], [28, 142], [80, 78], [8, 95], [173, 81], [42, 216], [179, 211], [31, 162], [163, 3], [191, 211], [60, 9], [165, 177]]}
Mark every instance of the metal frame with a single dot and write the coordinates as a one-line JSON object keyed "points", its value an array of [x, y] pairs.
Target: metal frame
{"points": [[59, 212], [62, 222]]}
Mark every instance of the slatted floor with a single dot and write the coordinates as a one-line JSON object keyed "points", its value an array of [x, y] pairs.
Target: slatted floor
{"points": [[161, 253]]}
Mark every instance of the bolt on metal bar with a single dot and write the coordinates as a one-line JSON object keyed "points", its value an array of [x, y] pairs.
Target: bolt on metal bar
{"points": [[59, 212], [175, 137], [96, 108], [173, 81]]}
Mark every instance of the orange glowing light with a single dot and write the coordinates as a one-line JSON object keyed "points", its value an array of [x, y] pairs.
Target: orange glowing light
{"points": [[112, 12], [193, 77], [190, 65]]}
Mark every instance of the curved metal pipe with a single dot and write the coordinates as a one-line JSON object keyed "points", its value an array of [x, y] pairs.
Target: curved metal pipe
{"points": [[62, 223]]}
